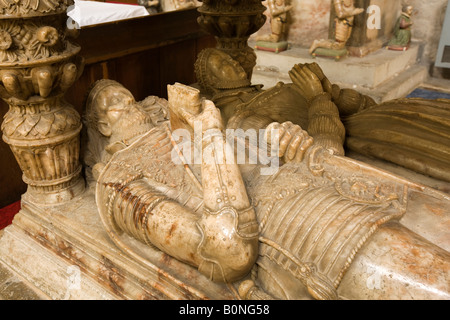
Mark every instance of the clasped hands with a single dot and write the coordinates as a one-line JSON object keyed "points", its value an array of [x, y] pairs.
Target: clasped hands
{"points": [[309, 80]]}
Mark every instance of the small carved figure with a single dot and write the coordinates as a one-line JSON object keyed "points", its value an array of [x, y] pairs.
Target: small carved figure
{"points": [[345, 16], [402, 30], [278, 10]]}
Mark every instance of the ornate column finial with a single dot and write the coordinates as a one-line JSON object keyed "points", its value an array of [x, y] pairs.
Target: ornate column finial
{"points": [[232, 22], [37, 65]]}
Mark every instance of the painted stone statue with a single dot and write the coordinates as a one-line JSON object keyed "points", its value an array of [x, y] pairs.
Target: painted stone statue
{"points": [[402, 31], [345, 16], [276, 40], [292, 234]]}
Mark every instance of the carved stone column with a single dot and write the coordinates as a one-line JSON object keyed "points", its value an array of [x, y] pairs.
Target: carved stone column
{"points": [[37, 65], [232, 22]]}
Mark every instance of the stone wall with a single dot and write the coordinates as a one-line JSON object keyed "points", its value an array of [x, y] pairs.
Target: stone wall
{"points": [[428, 22], [309, 20]]}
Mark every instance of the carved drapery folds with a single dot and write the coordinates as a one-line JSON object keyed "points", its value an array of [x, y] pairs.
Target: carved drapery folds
{"points": [[232, 22], [37, 65]]}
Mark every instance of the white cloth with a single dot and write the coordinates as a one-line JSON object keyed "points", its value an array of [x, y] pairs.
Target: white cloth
{"points": [[86, 13]]}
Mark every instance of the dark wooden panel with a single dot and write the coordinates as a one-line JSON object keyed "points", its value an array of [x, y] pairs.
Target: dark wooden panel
{"points": [[139, 72], [11, 184], [177, 64], [113, 40]]}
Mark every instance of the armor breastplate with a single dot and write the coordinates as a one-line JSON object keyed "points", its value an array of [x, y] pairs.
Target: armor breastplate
{"points": [[315, 222], [153, 159]]}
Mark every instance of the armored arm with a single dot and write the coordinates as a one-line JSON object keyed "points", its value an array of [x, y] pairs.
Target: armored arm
{"points": [[222, 242], [228, 225], [324, 123], [148, 215], [229, 245]]}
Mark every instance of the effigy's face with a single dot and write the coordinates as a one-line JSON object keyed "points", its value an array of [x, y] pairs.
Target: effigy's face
{"points": [[120, 113], [224, 67], [115, 102]]}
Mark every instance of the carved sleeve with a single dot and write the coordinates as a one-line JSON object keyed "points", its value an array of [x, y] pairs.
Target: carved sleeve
{"points": [[325, 125], [134, 207], [222, 241], [350, 101], [228, 225]]}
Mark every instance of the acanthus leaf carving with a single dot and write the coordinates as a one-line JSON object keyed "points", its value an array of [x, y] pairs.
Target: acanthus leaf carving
{"points": [[27, 8]]}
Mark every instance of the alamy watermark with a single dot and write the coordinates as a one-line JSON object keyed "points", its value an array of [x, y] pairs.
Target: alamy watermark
{"points": [[374, 18], [235, 146], [73, 281]]}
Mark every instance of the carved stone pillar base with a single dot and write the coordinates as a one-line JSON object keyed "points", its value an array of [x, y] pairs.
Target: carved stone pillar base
{"points": [[37, 196], [37, 66], [43, 134], [232, 23]]}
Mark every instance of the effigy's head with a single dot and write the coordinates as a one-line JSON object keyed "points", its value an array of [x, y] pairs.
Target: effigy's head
{"points": [[216, 70], [112, 110]]}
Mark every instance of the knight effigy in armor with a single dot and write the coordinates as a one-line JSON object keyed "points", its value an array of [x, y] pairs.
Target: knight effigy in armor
{"points": [[320, 226]]}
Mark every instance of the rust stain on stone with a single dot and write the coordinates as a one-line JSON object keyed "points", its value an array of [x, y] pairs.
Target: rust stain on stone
{"points": [[110, 274], [173, 227], [60, 247], [166, 259], [436, 210]]}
